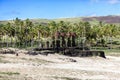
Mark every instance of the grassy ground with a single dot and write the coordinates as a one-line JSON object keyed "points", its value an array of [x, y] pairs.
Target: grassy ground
{"points": [[113, 49], [112, 52]]}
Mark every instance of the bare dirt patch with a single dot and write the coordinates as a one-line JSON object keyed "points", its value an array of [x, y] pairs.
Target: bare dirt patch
{"points": [[58, 67]]}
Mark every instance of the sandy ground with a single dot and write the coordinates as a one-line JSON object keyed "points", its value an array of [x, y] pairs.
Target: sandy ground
{"points": [[58, 67]]}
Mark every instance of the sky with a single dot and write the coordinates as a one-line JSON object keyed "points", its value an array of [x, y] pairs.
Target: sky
{"points": [[52, 9]]}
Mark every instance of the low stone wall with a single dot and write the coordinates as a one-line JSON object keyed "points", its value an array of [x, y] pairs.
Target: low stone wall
{"points": [[82, 53]]}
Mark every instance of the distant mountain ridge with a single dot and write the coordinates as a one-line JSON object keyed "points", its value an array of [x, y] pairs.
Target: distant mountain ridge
{"points": [[106, 19]]}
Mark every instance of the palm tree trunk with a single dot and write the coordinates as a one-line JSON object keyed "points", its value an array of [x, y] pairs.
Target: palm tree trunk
{"points": [[11, 42], [73, 41], [6, 42], [39, 38], [68, 42], [63, 42]]}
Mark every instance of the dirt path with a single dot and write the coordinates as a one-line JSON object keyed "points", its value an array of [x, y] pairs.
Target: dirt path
{"points": [[58, 67]]}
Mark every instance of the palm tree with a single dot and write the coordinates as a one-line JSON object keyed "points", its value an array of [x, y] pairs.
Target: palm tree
{"points": [[9, 30], [28, 26], [63, 29], [39, 31], [63, 35], [57, 34], [2, 33], [43, 32], [17, 24], [53, 27], [33, 35], [69, 39], [78, 29]]}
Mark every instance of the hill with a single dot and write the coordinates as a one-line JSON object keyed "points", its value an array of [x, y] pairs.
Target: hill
{"points": [[106, 19]]}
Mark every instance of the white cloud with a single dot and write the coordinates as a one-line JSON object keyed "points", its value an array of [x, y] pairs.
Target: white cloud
{"points": [[113, 1], [108, 1]]}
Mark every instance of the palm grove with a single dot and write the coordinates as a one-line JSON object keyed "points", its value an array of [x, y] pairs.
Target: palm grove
{"points": [[23, 33]]}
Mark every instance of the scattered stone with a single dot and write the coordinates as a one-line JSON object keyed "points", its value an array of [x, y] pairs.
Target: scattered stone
{"points": [[32, 53], [16, 54], [7, 51], [68, 59]]}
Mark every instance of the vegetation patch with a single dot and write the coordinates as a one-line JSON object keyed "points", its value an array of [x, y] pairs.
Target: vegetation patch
{"points": [[10, 73], [2, 56], [3, 61], [42, 61], [66, 78], [24, 58]]}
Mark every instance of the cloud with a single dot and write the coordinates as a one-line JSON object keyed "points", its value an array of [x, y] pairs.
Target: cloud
{"points": [[108, 1], [113, 1]]}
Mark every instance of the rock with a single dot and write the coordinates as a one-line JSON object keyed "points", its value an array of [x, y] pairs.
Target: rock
{"points": [[68, 59], [32, 53], [7, 51]]}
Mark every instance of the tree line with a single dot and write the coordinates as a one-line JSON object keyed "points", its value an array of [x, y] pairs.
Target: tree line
{"points": [[26, 33]]}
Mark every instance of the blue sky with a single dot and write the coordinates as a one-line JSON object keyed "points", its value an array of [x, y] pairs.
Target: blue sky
{"points": [[51, 9]]}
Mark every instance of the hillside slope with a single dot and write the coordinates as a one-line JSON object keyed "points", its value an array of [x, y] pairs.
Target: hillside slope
{"points": [[105, 19]]}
